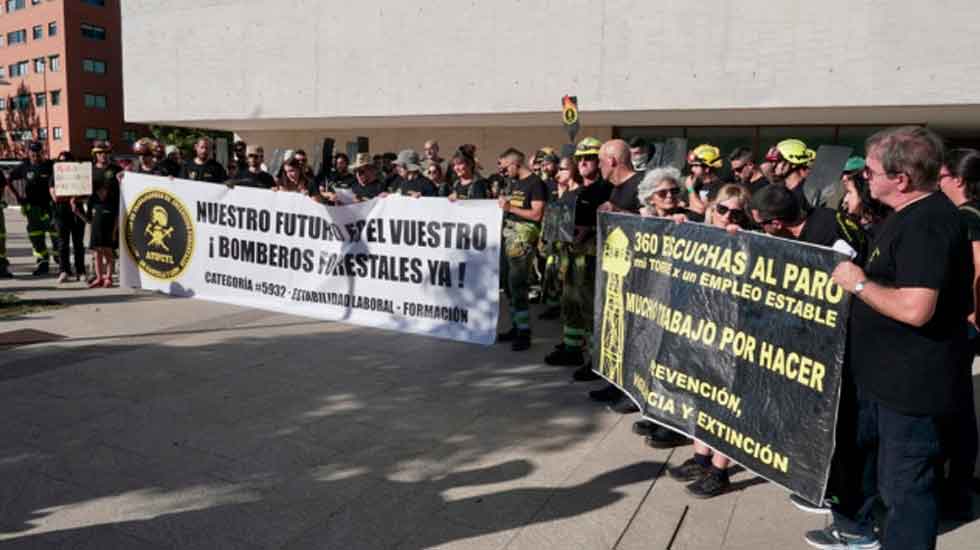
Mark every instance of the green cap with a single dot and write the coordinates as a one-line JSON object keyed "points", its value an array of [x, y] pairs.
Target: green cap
{"points": [[854, 164]]}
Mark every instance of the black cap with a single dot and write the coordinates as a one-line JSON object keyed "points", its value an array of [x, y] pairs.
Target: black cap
{"points": [[36, 147]]}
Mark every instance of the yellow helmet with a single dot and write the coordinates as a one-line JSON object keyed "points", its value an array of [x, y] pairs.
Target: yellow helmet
{"points": [[705, 155], [795, 152], [588, 146]]}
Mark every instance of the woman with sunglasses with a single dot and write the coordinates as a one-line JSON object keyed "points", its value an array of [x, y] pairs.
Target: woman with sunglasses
{"points": [[660, 193], [859, 205], [707, 471]]}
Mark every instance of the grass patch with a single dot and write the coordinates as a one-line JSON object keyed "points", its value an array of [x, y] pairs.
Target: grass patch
{"points": [[11, 306]]}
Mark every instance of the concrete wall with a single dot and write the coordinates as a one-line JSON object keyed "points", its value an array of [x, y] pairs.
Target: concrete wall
{"points": [[250, 59]]}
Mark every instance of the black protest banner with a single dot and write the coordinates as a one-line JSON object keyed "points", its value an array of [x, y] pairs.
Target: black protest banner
{"points": [[735, 340]]}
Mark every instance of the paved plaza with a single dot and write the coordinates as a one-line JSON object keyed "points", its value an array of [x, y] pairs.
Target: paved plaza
{"points": [[153, 422]]}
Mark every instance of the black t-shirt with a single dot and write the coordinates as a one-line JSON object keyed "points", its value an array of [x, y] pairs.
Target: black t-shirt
{"points": [[552, 186], [970, 213], [159, 169], [259, 180], [369, 191], [476, 189], [916, 370], [625, 196], [38, 178], [755, 186], [420, 184], [336, 181], [172, 168], [525, 191], [588, 200], [211, 172], [825, 227]]}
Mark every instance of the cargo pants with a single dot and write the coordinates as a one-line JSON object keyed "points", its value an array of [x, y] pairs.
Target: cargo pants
{"points": [[519, 242], [577, 268]]}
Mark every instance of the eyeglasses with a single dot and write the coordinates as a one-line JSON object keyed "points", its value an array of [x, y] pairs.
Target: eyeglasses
{"points": [[734, 214], [664, 193]]}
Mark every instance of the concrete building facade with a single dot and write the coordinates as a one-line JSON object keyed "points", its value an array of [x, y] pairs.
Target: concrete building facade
{"points": [[749, 72], [61, 61]]}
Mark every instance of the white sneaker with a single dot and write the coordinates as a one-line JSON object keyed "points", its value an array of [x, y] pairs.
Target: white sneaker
{"points": [[63, 277]]}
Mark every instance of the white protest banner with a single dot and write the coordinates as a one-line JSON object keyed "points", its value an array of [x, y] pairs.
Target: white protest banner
{"points": [[425, 266], [72, 179]]}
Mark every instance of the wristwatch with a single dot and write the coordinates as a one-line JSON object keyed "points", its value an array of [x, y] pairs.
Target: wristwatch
{"points": [[859, 287]]}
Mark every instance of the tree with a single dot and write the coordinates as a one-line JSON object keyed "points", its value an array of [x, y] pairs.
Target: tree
{"points": [[184, 138], [21, 124]]}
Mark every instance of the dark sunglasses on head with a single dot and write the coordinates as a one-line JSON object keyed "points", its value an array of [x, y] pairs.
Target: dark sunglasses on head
{"points": [[735, 214], [664, 193]]}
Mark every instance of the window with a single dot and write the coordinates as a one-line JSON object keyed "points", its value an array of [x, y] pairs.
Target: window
{"points": [[18, 69], [52, 28], [55, 97], [14, 5], [42, 133], [56, 132], [91, 2], [16, 37], [129, 136], [95, 101], [35, 2], [39, 99], [93, 66], [23, 134], [3, 71], [92, 134], [38, 65], [3, 103], [54, 63], [93, 32], [37, 32], [22, 102]]}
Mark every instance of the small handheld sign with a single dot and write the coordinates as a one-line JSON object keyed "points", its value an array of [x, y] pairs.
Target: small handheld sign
{"points": [[72, 179]]}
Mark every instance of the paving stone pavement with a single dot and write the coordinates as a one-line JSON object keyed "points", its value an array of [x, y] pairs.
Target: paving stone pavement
{"points": [[175, 423]]}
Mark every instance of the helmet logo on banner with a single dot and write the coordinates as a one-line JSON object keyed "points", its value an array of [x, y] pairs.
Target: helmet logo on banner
{"points": [[159, 234], [616, 260]]}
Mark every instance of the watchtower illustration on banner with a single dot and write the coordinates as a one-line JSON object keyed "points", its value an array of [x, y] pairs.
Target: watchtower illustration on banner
{"points": [[616, 259]]}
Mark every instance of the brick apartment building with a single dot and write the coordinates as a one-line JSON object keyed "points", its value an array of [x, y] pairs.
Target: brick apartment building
{"points": [[61, 76]]}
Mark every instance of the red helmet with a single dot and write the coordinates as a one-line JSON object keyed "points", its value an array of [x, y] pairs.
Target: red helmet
{"points": [[144, 146]]}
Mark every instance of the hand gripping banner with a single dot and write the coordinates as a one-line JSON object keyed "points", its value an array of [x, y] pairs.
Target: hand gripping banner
{"points": [[734, 340], [426, 266]]}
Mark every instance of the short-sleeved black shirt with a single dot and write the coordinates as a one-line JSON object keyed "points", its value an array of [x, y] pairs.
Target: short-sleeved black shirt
{"points": [[625, 196], [420, 184], [916, 370], [259, 180], [159, 169], [337, 181], [38, 178], [825, 227], [525, 191], [588, 200], [211, 171], [476, 189], [369, 191]]}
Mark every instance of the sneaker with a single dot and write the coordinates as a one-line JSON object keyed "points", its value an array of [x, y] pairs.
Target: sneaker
{"points": [[585, 373], [522, 341], [811, 508], [831, 538], [625, 405], [712, 484], [689, 470], [508, 336], [662, 438], [608, 394], [644, 427], [551, 313], [42, 269], [63, 277], [565, 357]]}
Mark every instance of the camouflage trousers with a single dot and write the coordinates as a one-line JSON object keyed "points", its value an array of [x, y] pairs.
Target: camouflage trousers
{"points": [[578, 297], [516, 264]]}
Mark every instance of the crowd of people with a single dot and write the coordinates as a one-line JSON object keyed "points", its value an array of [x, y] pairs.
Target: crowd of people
{"points": [[907, 212]]}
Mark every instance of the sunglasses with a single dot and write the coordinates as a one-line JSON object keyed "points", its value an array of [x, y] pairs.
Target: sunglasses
{"points": [[588, 158], [735, 214], [664, 193]]}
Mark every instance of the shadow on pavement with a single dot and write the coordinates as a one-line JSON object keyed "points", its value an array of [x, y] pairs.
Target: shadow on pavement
{"points": [[338, 439]]}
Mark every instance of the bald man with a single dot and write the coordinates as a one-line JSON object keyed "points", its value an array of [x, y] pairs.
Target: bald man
{"points": [[616, 164]]}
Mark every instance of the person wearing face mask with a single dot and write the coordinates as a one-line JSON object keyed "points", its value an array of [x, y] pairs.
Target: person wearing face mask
{"points": [[641, 154]]}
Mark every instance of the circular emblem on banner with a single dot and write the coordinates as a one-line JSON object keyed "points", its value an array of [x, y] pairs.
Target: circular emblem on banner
{"points": [[159, 234]]}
